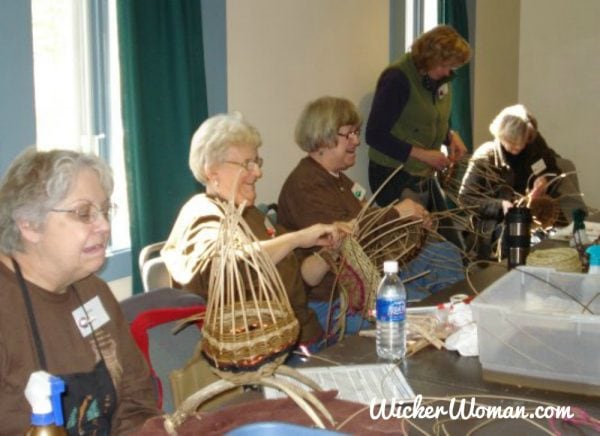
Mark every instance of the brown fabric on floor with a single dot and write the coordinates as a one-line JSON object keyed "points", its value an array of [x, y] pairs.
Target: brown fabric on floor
{"points": [[284, 410]]}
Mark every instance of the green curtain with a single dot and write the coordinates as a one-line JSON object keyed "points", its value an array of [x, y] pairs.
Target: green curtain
{"points": [[164, 100], [454, 13]]}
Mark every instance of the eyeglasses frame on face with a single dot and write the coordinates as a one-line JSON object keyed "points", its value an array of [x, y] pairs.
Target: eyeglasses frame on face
{"points": [[108, 212], [355, 133], [248, 165]]}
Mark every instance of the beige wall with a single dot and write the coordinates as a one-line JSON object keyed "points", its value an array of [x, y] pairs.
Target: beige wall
{"points": [[543, 53], [559, 80], [283, 53], [496, 62]]}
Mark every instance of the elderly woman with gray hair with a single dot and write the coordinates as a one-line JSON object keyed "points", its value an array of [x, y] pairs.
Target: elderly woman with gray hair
{"points": [[520, 157], [55, 314], [224, 157]]}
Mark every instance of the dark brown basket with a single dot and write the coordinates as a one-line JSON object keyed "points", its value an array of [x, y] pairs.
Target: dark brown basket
{"points": [[545, 211]]}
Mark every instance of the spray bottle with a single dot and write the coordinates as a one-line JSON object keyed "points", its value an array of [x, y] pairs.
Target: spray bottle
{"points": [[593, 252], [43, 393], [591, 281]]}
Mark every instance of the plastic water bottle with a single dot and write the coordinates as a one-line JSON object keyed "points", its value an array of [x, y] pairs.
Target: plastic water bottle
{"points": [[391, 314]]}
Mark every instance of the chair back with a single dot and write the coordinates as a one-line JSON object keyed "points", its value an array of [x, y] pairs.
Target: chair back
{"points": [[153, 270], [151, 318]]}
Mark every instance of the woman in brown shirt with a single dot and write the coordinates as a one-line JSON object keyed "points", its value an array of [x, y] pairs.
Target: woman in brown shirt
{"points": [[318, 190], [55, 314]]}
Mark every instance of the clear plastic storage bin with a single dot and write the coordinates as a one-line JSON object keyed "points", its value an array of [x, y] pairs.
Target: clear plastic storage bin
{"points": [[541, 328]]}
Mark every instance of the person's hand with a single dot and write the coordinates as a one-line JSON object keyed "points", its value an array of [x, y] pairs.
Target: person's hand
{"points": [[435, 159], [323, 235], [344, 228], [411, 209], [539, 187], [506, 205], [457, 147]]}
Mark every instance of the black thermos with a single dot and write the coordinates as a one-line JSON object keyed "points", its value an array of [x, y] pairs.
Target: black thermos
{"points": [[518, 227]]}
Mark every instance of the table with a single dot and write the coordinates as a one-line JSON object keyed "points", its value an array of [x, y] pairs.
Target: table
{"points": [[444, 374], [440, 373]]}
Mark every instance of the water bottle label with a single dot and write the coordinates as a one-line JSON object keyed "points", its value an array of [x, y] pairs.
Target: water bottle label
{"points": [[390, 310]]}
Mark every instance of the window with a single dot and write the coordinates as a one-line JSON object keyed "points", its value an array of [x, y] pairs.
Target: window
{"points": [[77, 89], [421, 16]]}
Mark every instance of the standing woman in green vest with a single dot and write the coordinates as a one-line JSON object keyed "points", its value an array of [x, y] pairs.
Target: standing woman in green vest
{"points": [[410, 119]]}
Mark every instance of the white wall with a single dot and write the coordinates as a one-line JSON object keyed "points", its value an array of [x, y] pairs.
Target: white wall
{"points": [[559, 81], [283, 53]]}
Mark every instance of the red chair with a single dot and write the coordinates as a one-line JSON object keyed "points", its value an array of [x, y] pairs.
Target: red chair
{"points": [[152, 317]]}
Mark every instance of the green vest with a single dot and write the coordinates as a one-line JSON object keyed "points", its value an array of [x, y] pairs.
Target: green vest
{"points": [[424, 122]]}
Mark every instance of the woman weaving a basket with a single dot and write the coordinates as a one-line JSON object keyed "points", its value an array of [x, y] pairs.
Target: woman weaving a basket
{"points": [[516, 165], [224, 157], [317, 190]]}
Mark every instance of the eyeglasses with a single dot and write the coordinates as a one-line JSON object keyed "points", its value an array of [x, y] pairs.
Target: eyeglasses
{"points": [[355, 133], [248, 165], [88, 213]]}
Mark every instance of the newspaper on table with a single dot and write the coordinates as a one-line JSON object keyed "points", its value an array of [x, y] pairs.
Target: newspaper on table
{"points": [[358, 383]]}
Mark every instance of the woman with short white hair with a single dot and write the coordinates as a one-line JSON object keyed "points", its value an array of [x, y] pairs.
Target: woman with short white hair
{"points": [[224, 156]]}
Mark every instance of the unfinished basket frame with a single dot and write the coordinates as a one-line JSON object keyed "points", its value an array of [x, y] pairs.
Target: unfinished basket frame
{"points": [[249, 326]]}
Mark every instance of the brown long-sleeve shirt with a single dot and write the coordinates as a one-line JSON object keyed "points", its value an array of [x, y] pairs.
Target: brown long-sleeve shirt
{"points": [[312, 195], [67, 351]]}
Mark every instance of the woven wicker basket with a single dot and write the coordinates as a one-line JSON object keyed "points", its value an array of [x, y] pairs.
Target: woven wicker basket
{"points": [[358, 278], [248, 335], [402, 244], [377, 241], [249, 321], [545, 211]]}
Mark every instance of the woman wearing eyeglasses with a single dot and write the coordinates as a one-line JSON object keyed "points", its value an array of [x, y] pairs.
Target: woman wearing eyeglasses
{"points": [[55, 314], [410, 120], [224, 157], [318, 190]]}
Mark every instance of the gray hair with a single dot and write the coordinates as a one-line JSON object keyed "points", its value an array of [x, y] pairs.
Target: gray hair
{"points": [[214, 137], [514, 123], [320, 120], [35, 183]]}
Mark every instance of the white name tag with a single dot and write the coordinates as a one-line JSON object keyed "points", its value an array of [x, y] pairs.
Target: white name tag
{"points": [[96, 316], [538, 167], [358, 191]]}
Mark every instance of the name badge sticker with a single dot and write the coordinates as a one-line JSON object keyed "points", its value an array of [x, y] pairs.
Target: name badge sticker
{"points": [[96, 316], [358, 191], [538, 167]]}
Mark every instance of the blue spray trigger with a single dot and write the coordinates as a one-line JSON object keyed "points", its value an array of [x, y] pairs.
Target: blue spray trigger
{"points": [[43, 392], [57, 387]]}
